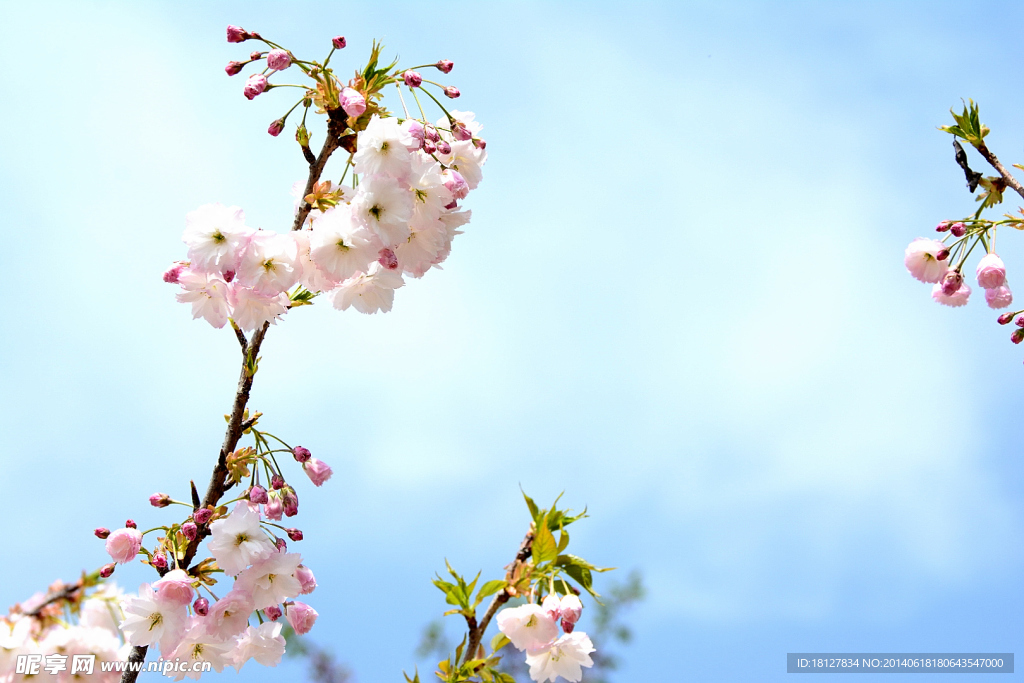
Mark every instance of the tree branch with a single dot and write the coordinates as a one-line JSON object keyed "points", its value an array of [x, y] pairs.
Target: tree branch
{"points": [[477, 634], [220, 482], [336, 125], [996, 164]]}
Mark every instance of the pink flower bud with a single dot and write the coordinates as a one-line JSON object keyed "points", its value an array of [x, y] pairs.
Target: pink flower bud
{"points": [[276, 127], [300, 454], [202, 515], [130, 524], [273, 612], [236, 34], [387, 258], [281, 545], [106, 570], [102, 532], [317, 470], [255, 55], [189, 530], [201, 606], [172, 274], [353, 102], [991, 271], [290, 501], [301, 617], [160, 561], [256, 84], [445, 66], [294, 534], [958, 229], [943, 226], [1004, 319], [233, 68], [942, 255], [338, 42], [455, 183], [274, 509], [480, 143], [430, 133], [123, 545], [1017, 336], [277, 482], [998, 297], [443, 147], [451, 91], [1020, 321], [571, 609], [429, 147], [412, 79], [159, 500], [306, 579], [278, 59], [460, 132], [258, 494], [951, 282]]}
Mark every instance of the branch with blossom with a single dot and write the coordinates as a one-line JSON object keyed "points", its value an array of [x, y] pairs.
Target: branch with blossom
{"points": [[941, 262]]}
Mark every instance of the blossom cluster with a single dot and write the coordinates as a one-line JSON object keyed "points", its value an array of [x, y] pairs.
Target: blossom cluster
{"points": [[399, 220], [267, 579], [38, 626], [928, 261], [534, 629]]}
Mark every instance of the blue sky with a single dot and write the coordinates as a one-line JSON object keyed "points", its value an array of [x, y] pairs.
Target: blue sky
{"points": [[681, 300]]}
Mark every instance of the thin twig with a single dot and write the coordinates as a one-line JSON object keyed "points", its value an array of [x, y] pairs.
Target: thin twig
{"points": [[996, 164], [476, 634], [336, 125]]}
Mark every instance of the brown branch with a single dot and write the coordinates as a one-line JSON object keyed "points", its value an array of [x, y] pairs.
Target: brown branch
{"points": [[64, 593], [220, 482], [476, 634], [336, 125], [996, 164]]}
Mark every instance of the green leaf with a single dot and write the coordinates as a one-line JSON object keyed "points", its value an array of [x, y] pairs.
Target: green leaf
{"points": [[459, 649], [503, 677], [490, 588], [499, 641], [580, 571], [534, 510], [544, 547], [563, 540], [414, 679]]}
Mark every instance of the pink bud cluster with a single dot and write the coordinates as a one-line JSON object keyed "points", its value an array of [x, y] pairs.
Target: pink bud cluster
{"points": [[927, 260], [534, 629], [400, 221]]}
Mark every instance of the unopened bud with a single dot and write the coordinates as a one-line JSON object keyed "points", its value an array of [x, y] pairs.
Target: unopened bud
{"points": [[278, 59], [254, 55], [302, 136], [160, 561], [201, 606], [102, 532], [300, 454], [273, 612], [460, 132], [429, 147], [412, 79], [388, 259], [281, 545], [958, 229], [130, 524], [430, 133], [202, 515], [233, 68], [1018, 336], [445, 66], [256, 84], [189, 530], [237, 34], [338, 42], [106, 570], [942, 255], [294, 534], [258, 494], [451, 91], [480, 143], [1020, 321], [159, 500], [443, 147], [277, 482], [1004, 319], [353, 102], [951, 282], [276, 127], [290, 501], [943, 226]]}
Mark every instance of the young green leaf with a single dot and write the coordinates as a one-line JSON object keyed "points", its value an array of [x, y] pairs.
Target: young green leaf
{"points": [[544, 547]]}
